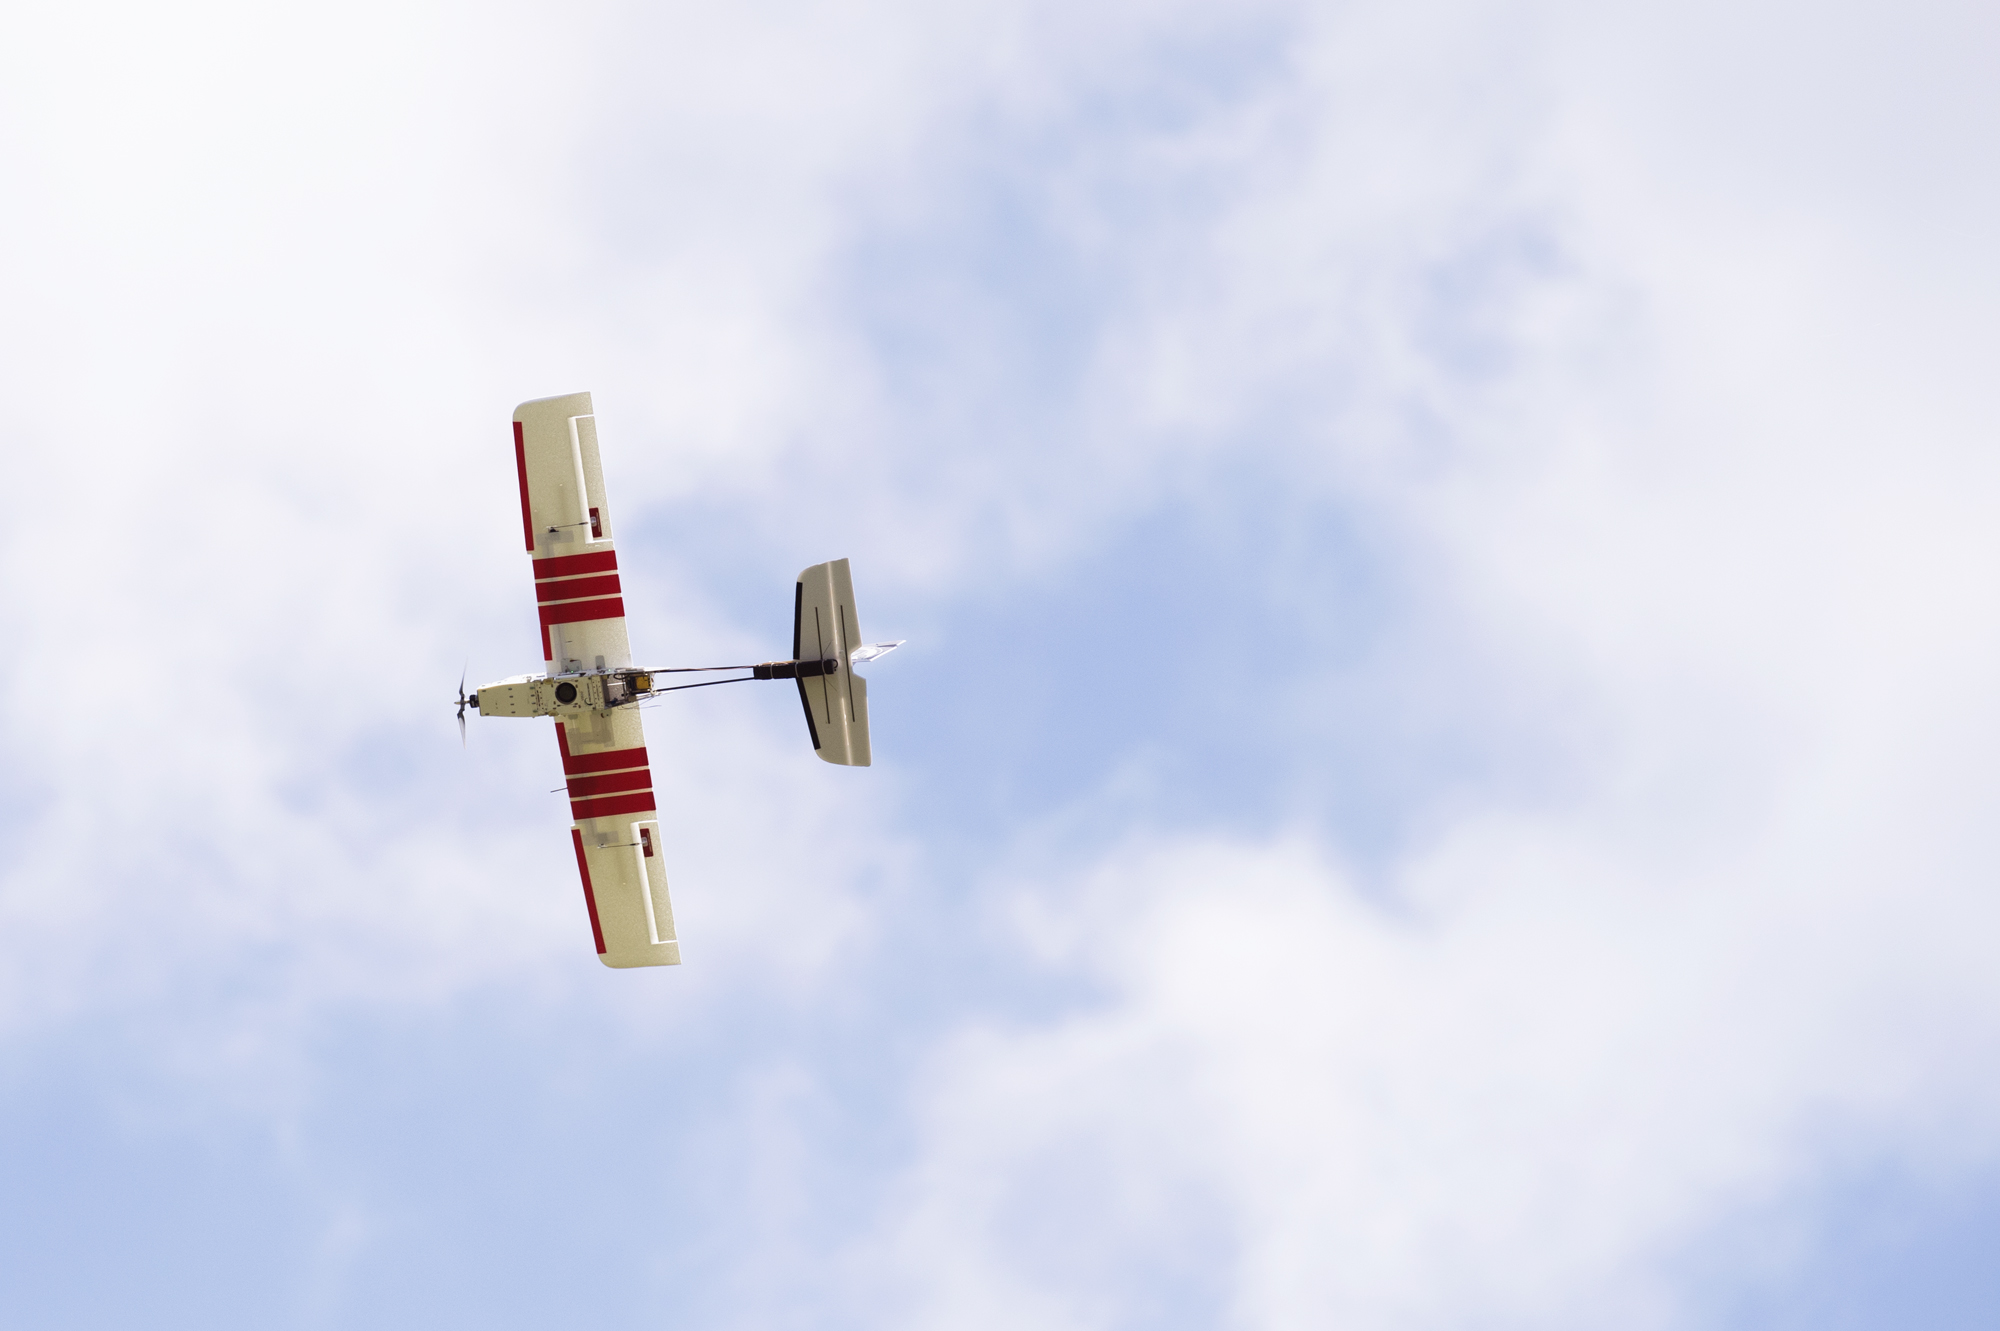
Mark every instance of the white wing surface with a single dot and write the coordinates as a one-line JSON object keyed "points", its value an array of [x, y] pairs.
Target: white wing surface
{"points": [[566, 523], [617, 839], [826, 626]]}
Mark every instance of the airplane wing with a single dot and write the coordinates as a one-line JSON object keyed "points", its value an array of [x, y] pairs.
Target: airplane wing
{"points": [[617, 839], [825, 624], [566, 523]]}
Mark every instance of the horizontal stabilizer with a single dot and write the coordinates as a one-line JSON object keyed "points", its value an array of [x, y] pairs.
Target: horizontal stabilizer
{"points": [[826, 627]]}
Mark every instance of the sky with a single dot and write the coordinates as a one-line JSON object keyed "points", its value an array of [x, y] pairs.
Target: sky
{"points": [[1441, 774]]}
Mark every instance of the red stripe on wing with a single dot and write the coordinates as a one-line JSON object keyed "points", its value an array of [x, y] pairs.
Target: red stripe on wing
{"points": [[611, 760], [581, 786], [571, 588], [577, 612], [568, 566], [582, 809], [589, 897], [521, 468]]}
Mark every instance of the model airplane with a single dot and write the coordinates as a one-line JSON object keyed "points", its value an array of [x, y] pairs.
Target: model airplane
{"points": [[592, 689]]}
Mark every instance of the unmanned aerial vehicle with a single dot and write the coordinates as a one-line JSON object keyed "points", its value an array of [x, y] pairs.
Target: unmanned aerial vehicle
{"points": [[591, 688]]}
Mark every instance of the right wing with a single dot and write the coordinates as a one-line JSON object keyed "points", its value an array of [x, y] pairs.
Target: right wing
{"points": [[617, 839]]}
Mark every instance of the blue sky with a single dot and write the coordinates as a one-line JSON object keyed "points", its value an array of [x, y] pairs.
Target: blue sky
{"points": [[1441, 776]]}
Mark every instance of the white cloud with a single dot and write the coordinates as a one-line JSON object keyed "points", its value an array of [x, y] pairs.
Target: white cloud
{"points": [[1516, 1093], [1692, 442]]}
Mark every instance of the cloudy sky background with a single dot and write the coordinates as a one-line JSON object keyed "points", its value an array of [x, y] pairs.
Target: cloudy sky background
{"points": [[1443, 772]]}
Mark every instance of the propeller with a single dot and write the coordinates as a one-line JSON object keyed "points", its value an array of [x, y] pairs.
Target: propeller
{"points": [[462, 703]]}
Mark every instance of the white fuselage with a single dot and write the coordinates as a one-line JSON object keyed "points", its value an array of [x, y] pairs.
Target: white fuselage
{"points": [[562, 695]]}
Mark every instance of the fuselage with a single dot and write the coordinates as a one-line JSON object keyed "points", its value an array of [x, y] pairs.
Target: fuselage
{"points": [[563, 695]]}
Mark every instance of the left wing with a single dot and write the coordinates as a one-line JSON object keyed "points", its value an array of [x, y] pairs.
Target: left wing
{"points": [[566, 521]]}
